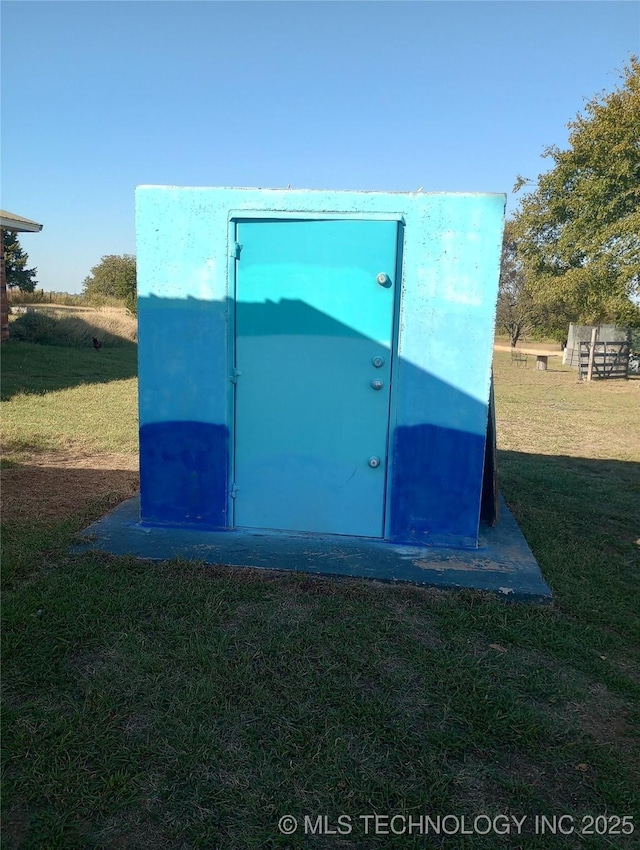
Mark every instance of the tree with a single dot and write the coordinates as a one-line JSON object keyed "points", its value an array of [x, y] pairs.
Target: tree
{"points": [[578, 232], [517, 312], [15, 259], [113, 277]]}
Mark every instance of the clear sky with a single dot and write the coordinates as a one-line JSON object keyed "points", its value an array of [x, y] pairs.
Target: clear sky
{"points": [[98, 97]]}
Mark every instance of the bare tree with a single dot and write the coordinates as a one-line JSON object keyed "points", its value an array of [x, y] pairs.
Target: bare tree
{"points": [[517, 312]]}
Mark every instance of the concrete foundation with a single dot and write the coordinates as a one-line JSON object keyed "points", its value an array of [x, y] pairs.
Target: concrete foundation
{"points": [[502, 564]]}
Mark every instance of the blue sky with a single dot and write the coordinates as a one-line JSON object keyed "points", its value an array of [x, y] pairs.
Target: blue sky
{"points": [[98, 97]]}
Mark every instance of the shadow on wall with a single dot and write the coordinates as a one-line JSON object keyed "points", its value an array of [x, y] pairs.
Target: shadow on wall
{"points": [[437, 463]]}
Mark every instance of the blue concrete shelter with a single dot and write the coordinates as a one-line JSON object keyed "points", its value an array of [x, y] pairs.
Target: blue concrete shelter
{"points": [[316, 361]]}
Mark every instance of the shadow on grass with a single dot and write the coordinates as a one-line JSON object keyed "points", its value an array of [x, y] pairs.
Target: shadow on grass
{"points": [[265, 688], [44, 506], [37, 492], [36, 369], [581, 517]]}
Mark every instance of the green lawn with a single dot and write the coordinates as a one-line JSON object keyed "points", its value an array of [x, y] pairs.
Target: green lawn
{"points": [[181, 706], [59, 397]]}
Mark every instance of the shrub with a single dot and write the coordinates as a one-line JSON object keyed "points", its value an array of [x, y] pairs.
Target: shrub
{"points": [[35, 327], [73, 330], [17, 296], [66, 299]]}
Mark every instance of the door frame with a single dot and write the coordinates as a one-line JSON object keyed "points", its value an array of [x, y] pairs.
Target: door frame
{"points": [[237, 217]]}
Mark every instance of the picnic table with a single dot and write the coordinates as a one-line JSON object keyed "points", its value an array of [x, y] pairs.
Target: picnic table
{"points": [[541, 354]]}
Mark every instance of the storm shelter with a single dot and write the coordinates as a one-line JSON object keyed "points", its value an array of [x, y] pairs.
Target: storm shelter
{"points": [[316, 361]]}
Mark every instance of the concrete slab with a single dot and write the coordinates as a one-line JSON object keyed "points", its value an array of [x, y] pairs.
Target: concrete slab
{"points": [[503, 564]]}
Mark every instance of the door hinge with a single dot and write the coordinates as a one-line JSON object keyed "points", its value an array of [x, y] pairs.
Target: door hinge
{"points": [[235, 251], [234, 490], [234, 377]]}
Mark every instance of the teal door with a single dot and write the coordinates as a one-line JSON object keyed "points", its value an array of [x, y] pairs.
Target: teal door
{"points": [[313, 344]]}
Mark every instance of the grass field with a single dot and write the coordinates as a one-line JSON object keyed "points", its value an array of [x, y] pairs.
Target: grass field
{"points": [[173, 705], [73, 325]]}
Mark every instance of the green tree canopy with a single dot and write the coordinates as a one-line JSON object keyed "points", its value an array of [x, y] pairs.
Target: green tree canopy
{"points": [[113, 277], [579, 231], [15, 259]]}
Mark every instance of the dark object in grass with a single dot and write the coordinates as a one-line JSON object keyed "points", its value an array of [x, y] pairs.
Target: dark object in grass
{"points": [[96, 344]]}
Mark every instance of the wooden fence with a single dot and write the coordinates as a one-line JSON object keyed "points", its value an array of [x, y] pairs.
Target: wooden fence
{"points": [[582, 333], [610, 360]]}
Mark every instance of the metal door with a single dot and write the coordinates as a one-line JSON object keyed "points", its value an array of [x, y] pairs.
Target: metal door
{"points": [[313, 345]]}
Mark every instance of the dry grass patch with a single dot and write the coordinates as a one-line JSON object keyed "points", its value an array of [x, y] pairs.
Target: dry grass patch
{"points": [[553, 412], [56, 485], [74, 326]]}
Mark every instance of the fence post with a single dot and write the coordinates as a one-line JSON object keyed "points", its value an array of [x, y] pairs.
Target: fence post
{"points": [[592, 351]]}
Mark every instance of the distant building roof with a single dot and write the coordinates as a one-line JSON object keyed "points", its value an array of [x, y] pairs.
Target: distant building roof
{"points": [[10, 221]]}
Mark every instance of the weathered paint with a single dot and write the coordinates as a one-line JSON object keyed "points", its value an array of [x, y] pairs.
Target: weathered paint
{"points": [[441, 356], [502, 563]]}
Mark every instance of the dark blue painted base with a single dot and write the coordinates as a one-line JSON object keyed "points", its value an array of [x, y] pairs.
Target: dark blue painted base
{"points": [[502, 564], [437, 473], [183, 474]]}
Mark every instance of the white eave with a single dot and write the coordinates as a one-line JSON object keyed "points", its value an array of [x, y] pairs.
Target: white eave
{"points": [[9, 221]]}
